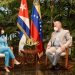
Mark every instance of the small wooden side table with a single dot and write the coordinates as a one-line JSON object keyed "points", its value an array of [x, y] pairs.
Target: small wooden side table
{"points": [[30, 56]]}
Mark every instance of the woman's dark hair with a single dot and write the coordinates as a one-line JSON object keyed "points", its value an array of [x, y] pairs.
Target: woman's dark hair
{"points": [[0, 30]]}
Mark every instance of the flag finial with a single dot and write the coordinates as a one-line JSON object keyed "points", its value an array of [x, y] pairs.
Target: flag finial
{"points": [[36, 1]]}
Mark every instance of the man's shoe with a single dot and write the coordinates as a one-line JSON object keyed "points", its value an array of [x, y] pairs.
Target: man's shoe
{"points": [[52, 68], [57, 67]]}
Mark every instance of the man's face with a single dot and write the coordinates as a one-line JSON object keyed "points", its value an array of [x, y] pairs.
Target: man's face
{"points": [[57, 26]]}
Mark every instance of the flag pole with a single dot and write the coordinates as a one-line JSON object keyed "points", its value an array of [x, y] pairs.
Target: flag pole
{"points": [[52, 9], [23, 31]]}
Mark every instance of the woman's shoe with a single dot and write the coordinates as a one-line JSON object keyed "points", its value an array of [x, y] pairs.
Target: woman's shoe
{"points": [[16, 62], [6, 69]]}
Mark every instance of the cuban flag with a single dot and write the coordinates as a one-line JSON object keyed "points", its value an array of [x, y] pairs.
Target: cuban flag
{"points": [[36, 27], [23, 24]]}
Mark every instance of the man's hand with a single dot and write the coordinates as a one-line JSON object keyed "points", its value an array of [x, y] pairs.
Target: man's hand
{"points": [[63, 47], [48, 46]]}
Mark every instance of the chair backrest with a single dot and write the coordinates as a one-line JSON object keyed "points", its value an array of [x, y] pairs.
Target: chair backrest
{"points": [[71, 42]]}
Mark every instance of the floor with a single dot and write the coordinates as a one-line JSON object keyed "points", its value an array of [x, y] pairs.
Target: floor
{"points": [[37, 69]]}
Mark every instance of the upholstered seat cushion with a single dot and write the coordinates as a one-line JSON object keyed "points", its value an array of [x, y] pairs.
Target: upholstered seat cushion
{"points": [[63, 53], [2, 55]]}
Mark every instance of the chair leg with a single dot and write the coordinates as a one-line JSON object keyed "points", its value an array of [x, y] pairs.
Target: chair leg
{"points": [[46, 60], [36, 58], [66, 60], [12, 63]]}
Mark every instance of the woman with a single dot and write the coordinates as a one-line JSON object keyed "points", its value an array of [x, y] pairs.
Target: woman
{"points": [[6, 50]]}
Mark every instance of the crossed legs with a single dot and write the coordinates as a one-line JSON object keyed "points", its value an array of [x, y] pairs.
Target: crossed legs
{"points": [[8, 54], [53, 54]]}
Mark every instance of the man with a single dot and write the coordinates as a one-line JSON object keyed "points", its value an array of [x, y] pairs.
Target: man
{"points": [[60, 40]]}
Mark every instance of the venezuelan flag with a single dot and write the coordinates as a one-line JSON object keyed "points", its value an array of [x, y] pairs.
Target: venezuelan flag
{"points": [[36, 26]]}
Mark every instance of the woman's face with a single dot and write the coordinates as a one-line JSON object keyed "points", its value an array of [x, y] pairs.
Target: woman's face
{"points": [[2, 31]]}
